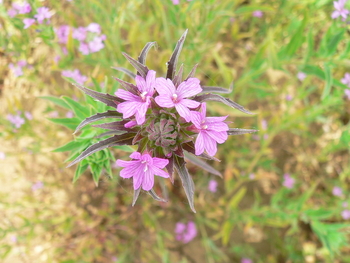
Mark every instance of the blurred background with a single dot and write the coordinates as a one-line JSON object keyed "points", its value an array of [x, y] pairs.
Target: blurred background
{"points": [[284, 195]]}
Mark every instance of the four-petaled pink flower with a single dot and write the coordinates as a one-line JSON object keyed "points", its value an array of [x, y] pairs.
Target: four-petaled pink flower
{"points": [[137, 104], [142, 169], [211, 130], [345, 214], [94, 28], [170, 97], [96, 44], [339, 9], [288, 181], [337, 191], [185, 233], [212, 186], [28, 22], [346, 79], [43, 13], [79, 33]]}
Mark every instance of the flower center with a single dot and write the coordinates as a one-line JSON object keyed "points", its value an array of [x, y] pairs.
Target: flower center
{"points": [[146, 166], [174, 97], [204, 126], [143, 95]]}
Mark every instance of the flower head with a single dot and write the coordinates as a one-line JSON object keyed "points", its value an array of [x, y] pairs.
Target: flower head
{"points": [[62, 33], [288, 181], [96, 44], [143, 168], [301, 76], [211, 130], [340, 9], [22, 8], [345, 214], [94, 28], [38, 185], [76, 75], [28, 22], [246, 260], [346, 79], [185, 232], [16, 120], [212, 186], [337, 191], [258, 13], [43, 13], [79, 33]]}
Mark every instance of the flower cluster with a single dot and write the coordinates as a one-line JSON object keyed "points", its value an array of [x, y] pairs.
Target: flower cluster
{"points": [[19, 8], [166, 118], [17, 119], [185, 232], [75, 75], [288, 181], [340, 10], [90, 38], [17, 69]]}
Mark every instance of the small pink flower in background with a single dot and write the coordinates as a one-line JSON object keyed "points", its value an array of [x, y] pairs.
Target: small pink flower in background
{"points": [[16, 70], [264, 124], [347, 93], [28, 115], [246, 260], [38, 185], [137, 105], [22, 8], [301, 76], [340, 9], [69, 114], [96, 44], [212, 186], [62, 33], [252, 176], [75, 75], [211, 130], [258, 13], [12, 12], [185, 233], [94, 28], [28, 22], [289, 97], [170, 97], [337, 191], [345, 214], [43, 13], [346, 79], [288, 181], [2, 156], [176, 2], [79, 33], [53, 114], [16, 120], [84, 48], [143, 168]]}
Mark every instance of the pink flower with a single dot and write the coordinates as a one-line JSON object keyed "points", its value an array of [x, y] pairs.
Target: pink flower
{"points": [[38, 185], [69, 114], [211, 130], [258, 13], [76, 75], [339, 9], [137, 104], [16, 70], [288, 181], [345, 214], [96, 44], [28, 115], [347, 93], [62, 33], [212, 186], [170, 97], [43, 13], [79, 33], [12, 12], [94, 28], [176, 2], [28, 22], [264, 124], [346, 79], [337, 191], [16, 120], [185, 233], [289, 97], [301, 76], [22, 8], [246, 260], [84, 48], [142, 169]]}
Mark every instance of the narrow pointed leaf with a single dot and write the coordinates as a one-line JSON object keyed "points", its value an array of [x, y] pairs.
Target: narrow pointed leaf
{"points": [[141, 69], [126, 71], [193, 72], [236, 131], [178, 77], [124, 139], [98, 116], [128, 86], [193, 159], [189, 146], [228, 102], [187, 182], [109, 133], [144, 52], [170, 168], [156, 197], [58, 101], [210, 89], [136, 195], [175, 56], [116, 125], [107, 99], [69, 147], [79, 110], [70, 123]]}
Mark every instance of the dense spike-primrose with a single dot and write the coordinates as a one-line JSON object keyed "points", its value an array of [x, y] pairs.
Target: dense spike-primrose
{"points": [[166, 119]]}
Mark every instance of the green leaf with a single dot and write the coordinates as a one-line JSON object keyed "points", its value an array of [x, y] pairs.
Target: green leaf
{"points": [[70, 123], [334, 41], [70, 146], [329, 81], [80, 111], [80, 170], [57, 101]]}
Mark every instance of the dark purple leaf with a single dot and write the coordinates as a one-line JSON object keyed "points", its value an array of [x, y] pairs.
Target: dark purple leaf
{"points": [[98, 116], [193, 159], [175, 56], [128, 86], [189, 146], [236, 131], [228, 102], [126, 71], [142, 69], [137, 137], [109, 133], [136, 195], [107, 99], [170, 168], [156, 197], [144, 52], [193, 72], [178, 77], [116, 125], [209, 89], [124, 139], [187, 182], [179, 152]]}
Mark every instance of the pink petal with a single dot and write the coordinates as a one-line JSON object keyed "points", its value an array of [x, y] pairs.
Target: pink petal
{"points": [[130, 124], [199, 145], [160, 172], [219, 137], [196, 119], [164, 101], [180, 228], [160, 162], [203, 110], [336, 5], [217, 126], [148, 180], [138, 177], [189, 88], [215, 119], [190, 103], [183, 111], [128, 108], [122, 163], [141, 83], [141, 113], [135, 155], [150, 82], [126, 95], [210, 145], [335, 14], [128, 172], [165, 87]]}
